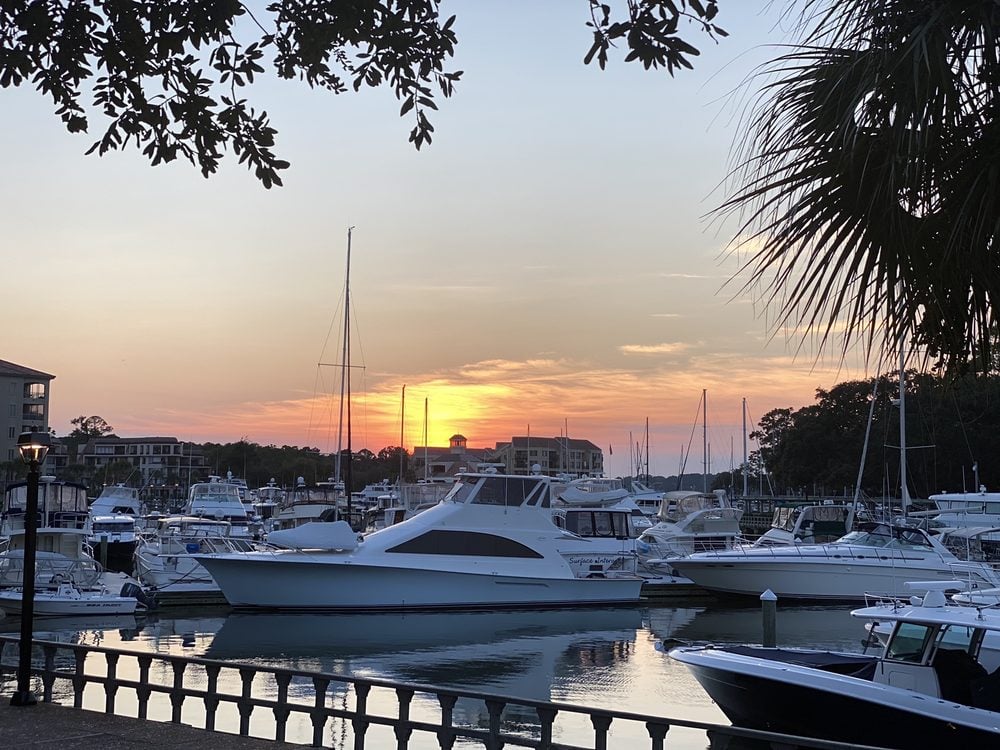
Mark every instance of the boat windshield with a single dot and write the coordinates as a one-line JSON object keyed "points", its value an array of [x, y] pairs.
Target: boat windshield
{"points": [[884, 535], [508, 491], [216, 493]]}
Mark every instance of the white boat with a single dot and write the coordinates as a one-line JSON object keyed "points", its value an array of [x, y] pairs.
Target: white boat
{"points": [[807, 524], [117, 499], [164, 564], [926, 689], [591, 491], [877, 558], [688, 522], [308, 504], [112, 523], [66, 599], [980, 508], [221, 501], [989, 652], [490, 543], [645, 497]]}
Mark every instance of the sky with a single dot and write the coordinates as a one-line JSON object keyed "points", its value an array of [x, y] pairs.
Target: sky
{"points": [[547, 266]]}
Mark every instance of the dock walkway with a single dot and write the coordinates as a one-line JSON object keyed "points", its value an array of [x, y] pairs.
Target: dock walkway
{"points": [[50, 726]]}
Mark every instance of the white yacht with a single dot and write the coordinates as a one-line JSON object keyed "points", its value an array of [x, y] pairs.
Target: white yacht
{"points": [[927, 689], [221, 501], [490, 543], [164, 564], [878, 558], [591, 491], [980, 508], [688, 522], [111, 526], [304, 504]]}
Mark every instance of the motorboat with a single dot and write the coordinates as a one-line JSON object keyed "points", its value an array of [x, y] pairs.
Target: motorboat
{"points": [[490, 543], [989, 652], [588, 490], [269, 498], [61, 505], [980, 508], [304, 504], [645, 497], [164, 564], [111, 526], [117, 499], [69, 600], [807, 524], [221, 501], [876, 558], [688, 522], [927, 688]]}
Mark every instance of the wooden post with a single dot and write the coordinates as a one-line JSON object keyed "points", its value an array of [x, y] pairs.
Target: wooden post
{"points": [[769, 609]]}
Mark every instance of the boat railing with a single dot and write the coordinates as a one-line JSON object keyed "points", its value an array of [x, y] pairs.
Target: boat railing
{"points": [[50, 572], [304, 707], [831, 551]]}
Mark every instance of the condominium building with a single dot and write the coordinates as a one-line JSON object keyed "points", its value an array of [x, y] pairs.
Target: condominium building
{"points": [[24, 400], [552, 455], [145, 460]]}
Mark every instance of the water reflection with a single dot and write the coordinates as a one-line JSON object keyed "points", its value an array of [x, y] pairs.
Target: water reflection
{"points": [[513, 653], [604, 657]]}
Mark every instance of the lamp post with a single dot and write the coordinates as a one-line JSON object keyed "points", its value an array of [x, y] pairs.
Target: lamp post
{"points": [[33, 447]]}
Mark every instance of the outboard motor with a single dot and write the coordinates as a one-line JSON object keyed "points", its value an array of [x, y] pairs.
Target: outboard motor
{"points": [[136, 592]]}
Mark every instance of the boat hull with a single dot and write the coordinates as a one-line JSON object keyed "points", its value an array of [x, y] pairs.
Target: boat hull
{"points": [[270, 582], [48, 605], [802, 578], [794, 707]]}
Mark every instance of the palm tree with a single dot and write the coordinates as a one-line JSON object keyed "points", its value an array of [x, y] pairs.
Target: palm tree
{"points": [[868, 185]]}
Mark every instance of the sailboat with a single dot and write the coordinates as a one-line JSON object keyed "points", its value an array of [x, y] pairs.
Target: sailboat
{"points": [[329, 500]]}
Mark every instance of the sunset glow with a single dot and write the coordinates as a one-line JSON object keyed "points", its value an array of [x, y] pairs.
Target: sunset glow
{"points": [[545, 265]]}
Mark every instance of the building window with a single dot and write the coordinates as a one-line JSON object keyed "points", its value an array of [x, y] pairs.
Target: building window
{"points": [[104, 449], [34, 412], [10, 432], [34, 390]]}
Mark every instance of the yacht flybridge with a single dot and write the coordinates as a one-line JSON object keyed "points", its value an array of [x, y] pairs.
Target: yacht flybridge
{"points": [[489, 543]]}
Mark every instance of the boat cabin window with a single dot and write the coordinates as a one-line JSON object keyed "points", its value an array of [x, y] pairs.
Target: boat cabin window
{"points": [[598, 523], [466, 543], [909, 641]]}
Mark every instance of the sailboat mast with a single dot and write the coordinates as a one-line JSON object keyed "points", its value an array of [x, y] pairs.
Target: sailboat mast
{"points": [[402, 452], [745, 462], [904, 495], [346, 378], [647, 451], [425, 438], [704, 437]]}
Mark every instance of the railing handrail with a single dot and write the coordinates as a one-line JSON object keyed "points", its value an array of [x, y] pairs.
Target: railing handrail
{"points": [[319, 711]]}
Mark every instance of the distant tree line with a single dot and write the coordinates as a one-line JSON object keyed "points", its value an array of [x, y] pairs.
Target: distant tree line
{"points": [[952, 438], [257, 464]]}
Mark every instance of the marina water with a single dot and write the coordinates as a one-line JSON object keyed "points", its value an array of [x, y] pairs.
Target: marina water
{"points": [[603, 657]]}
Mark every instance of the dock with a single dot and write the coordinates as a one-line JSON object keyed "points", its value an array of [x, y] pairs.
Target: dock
{"points": [[50, 725]]}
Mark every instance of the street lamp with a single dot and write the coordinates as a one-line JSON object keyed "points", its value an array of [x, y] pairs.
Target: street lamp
{"points": [[33, 447]]}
